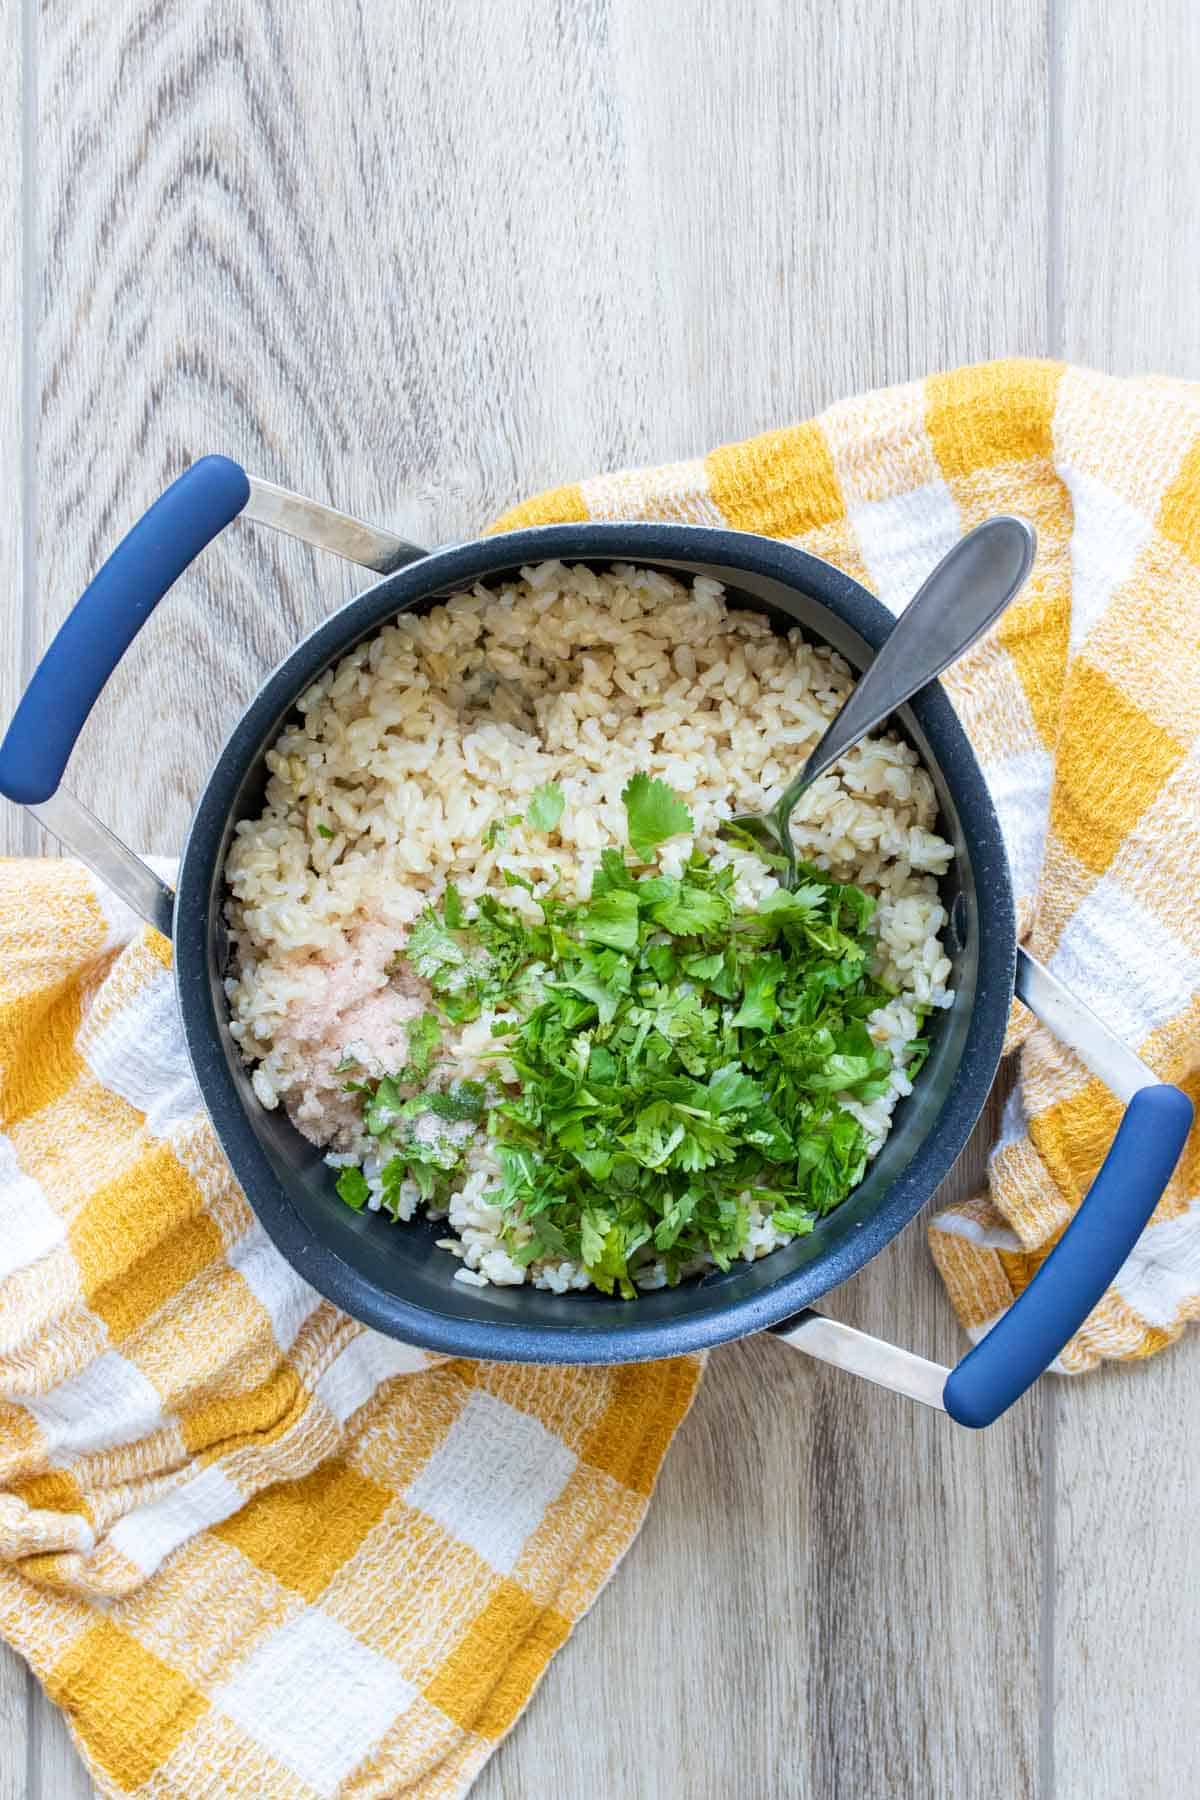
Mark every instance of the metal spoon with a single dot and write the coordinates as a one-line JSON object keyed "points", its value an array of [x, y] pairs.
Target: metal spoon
{"points": [[966, 593]]}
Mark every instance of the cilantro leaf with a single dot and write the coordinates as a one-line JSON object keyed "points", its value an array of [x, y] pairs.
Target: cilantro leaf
{"points": [[662, 961], [783, 906], [418, 1170], [462, 1100], [546, 807], [718, 972], [452, 908], [325, 831], [702, 968], [840, 1072], [436, 955], [603, 977], [793, 1219], [730, 1089], [759, 1008], [384, 1109], [613, 873], [496, 835], [598, 1163], [423, 1035], [678, 1213], [593, 1229], [605, 1254], [657, 1133], [611, 919], [686, 910], [352, 1188], [654, 813]]}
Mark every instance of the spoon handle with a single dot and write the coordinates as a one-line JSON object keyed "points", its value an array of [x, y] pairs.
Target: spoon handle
{"points": [[966, 593]]}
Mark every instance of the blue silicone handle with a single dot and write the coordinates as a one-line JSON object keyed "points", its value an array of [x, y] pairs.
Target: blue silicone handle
{"points": [[105, 620], [1082, 1264]]}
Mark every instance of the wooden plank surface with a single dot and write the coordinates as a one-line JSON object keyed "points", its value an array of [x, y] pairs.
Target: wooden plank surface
{"points": [[1127, 1554], [294, 243], [15, 1684], [1128, 176], [416, 265], [12, 446]]}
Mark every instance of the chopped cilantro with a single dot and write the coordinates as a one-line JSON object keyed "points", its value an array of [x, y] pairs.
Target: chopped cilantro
{"points": [[496, 835], [546, 807], [452, 908], [424, 1035], [677, 1056], [611, 920], [462, 1100], [760, 1009], [384, 1109], [682, 908], [435, 954], [791, 1218], [614, 872], [324, 831], [352, 1188], [601, 977]]}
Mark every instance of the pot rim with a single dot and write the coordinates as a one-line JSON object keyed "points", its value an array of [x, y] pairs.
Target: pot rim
{"points": [[627, 1339]]}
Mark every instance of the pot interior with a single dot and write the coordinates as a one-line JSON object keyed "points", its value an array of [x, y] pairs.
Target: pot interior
{"points": [[394, 1276]]}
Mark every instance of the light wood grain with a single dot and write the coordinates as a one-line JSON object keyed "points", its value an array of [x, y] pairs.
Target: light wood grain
{"points": [[14, 1679], [418, 265], [17, 1705], [12, 463], [929, 1553], [301, 246], [1127, 1659], [1126, 1648], [1129, 178], [835, 197], [58, 1773]]}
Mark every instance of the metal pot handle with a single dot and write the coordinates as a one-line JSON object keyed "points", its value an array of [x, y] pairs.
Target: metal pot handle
{"points": [[1082, 1265], [108, 616]]}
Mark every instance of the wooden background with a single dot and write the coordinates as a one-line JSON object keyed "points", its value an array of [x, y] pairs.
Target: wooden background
{"points": [[420, 259]]}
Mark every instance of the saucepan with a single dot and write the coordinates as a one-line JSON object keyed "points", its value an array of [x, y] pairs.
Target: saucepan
{"points": [[395, 1279]]}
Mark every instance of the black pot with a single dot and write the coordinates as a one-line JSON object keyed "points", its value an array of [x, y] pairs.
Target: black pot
{"points": [[395, 1279]]}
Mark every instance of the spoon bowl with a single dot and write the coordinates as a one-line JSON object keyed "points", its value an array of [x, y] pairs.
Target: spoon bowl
{"points": [[960, 600]]}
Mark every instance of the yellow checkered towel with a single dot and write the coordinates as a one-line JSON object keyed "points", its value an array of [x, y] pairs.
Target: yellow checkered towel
{"points": [[252, 1548], [249, 1546], [1084, 708]]}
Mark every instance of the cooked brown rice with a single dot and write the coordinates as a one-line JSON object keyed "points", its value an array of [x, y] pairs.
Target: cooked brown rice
{"points": [[439, 727]]}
